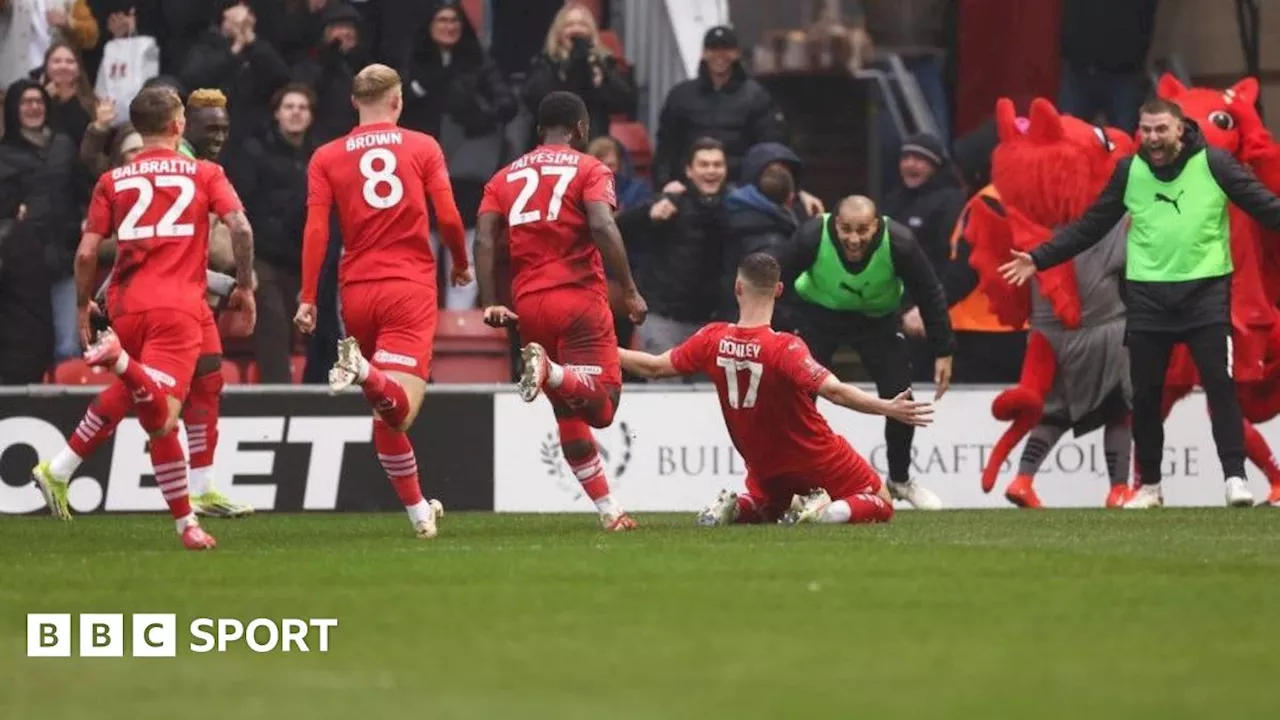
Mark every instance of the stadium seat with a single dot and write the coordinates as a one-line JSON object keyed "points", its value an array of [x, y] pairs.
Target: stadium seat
{"points": [[468, 351], [297, 364], [610, 39], [635, 138], [231, 373], [79, 372]]}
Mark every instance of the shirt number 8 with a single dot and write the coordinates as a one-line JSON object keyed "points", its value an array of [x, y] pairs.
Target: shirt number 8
{"points": [[374, 180]]}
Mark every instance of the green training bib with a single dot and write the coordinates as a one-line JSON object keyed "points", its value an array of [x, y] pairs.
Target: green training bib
{"points": [[875, 291], [1179, 230]]}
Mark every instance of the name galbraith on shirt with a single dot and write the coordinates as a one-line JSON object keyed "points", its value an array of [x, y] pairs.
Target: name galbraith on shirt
{"points": [[736, 349], [374, 139], [155, 167], [545, 158]]}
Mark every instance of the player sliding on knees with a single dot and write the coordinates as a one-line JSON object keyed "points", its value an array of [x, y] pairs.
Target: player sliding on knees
{"points": [[556, 205], [798, 469], [379, 177], [158, 207]]}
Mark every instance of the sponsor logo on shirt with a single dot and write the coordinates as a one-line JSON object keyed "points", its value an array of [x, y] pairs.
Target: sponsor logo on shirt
{"points": [[390, 358], [162, 378], [585, 369]]}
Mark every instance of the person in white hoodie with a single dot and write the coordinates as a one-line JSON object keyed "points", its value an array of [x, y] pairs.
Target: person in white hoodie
{"points": [[28, 27]]}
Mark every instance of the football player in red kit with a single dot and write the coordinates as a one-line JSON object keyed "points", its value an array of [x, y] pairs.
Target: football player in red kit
{"points": [[798, 469], [556, 205], [380, 177], [207, 124], [158, 207]]}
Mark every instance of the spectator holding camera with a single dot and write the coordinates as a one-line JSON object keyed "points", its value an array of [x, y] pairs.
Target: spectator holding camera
{"points": [[576, 61], [678, 232]]}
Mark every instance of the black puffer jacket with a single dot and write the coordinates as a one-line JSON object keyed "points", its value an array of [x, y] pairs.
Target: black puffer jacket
{"points": [[931, 212], [740, 114], [248, 79], [470, 90], [679, 255], [45, 180], [271, 177], [616, 94]]}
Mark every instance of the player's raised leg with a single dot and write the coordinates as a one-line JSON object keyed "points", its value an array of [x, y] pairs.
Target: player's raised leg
{"points": [[173, 340], [52, 476], [579, 386]]}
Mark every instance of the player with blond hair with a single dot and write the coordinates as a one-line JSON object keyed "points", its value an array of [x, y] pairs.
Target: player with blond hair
{"points": [[380, 177], [206, 130]]}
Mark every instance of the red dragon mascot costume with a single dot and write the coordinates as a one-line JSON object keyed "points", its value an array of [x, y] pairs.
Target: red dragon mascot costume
{"points": [[1046, 171], [1229, 121]]}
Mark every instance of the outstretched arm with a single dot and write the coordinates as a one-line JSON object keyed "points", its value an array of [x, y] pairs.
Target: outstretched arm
{"points": [[1242, 187], [1086, 232], [654, 367], [901, 408]]}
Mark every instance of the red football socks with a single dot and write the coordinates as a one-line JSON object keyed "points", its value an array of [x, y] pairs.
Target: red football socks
{"points": [[588, 469], [387, 397], [859, 509], [148, 396], [1259, 453], [200, 416], [395, 453], [748, 511], [590, 400], [100, 420], [171, 473]]}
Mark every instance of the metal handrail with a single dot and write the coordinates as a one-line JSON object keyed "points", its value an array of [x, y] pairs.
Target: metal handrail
{"points": [[881, 79], [921, 114]]}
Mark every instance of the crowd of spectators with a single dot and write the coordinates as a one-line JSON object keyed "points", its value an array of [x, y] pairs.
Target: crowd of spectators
{"points": [[723, 182]]}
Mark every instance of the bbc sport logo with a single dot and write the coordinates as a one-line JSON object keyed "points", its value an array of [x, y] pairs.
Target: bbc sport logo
{"points": [[156, 634]]}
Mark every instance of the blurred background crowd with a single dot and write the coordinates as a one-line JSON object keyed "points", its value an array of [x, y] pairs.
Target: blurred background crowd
{"points": [[725, 138]]}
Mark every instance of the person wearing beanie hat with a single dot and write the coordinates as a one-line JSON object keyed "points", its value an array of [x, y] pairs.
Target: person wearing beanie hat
{"points": [[721, 103], [927, 198]]}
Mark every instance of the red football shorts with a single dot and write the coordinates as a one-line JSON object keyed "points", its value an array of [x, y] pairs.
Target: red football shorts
{"points": [[395, 323], [167, 341], [845, 474], [210, 340], [576, 328]]}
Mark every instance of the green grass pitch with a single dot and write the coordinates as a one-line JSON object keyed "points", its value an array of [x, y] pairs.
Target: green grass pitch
{"points": [[1058, 614]]}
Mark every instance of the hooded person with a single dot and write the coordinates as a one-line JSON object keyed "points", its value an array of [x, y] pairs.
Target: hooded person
{"points": [[760, 216]]}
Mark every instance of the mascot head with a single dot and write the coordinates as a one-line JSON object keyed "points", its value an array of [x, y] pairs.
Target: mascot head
{"points": [[1211, 109], [1050, 166]]}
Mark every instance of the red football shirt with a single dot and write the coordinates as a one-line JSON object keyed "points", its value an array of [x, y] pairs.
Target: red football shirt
{"points": [[379, 176], [158, 209], [766, 381], [543, 196]]}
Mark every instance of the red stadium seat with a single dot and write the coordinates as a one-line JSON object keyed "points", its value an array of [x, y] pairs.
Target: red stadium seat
{"points": [[231, 373], [610, 39], [635, 138], [297, 364], [468, 351], [79, 372]]}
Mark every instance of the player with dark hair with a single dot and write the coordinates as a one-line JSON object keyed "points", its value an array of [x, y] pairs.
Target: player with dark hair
{"points": [[798, 469], [379, 177], [207, 123], [556, 206], [158, 208]]}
